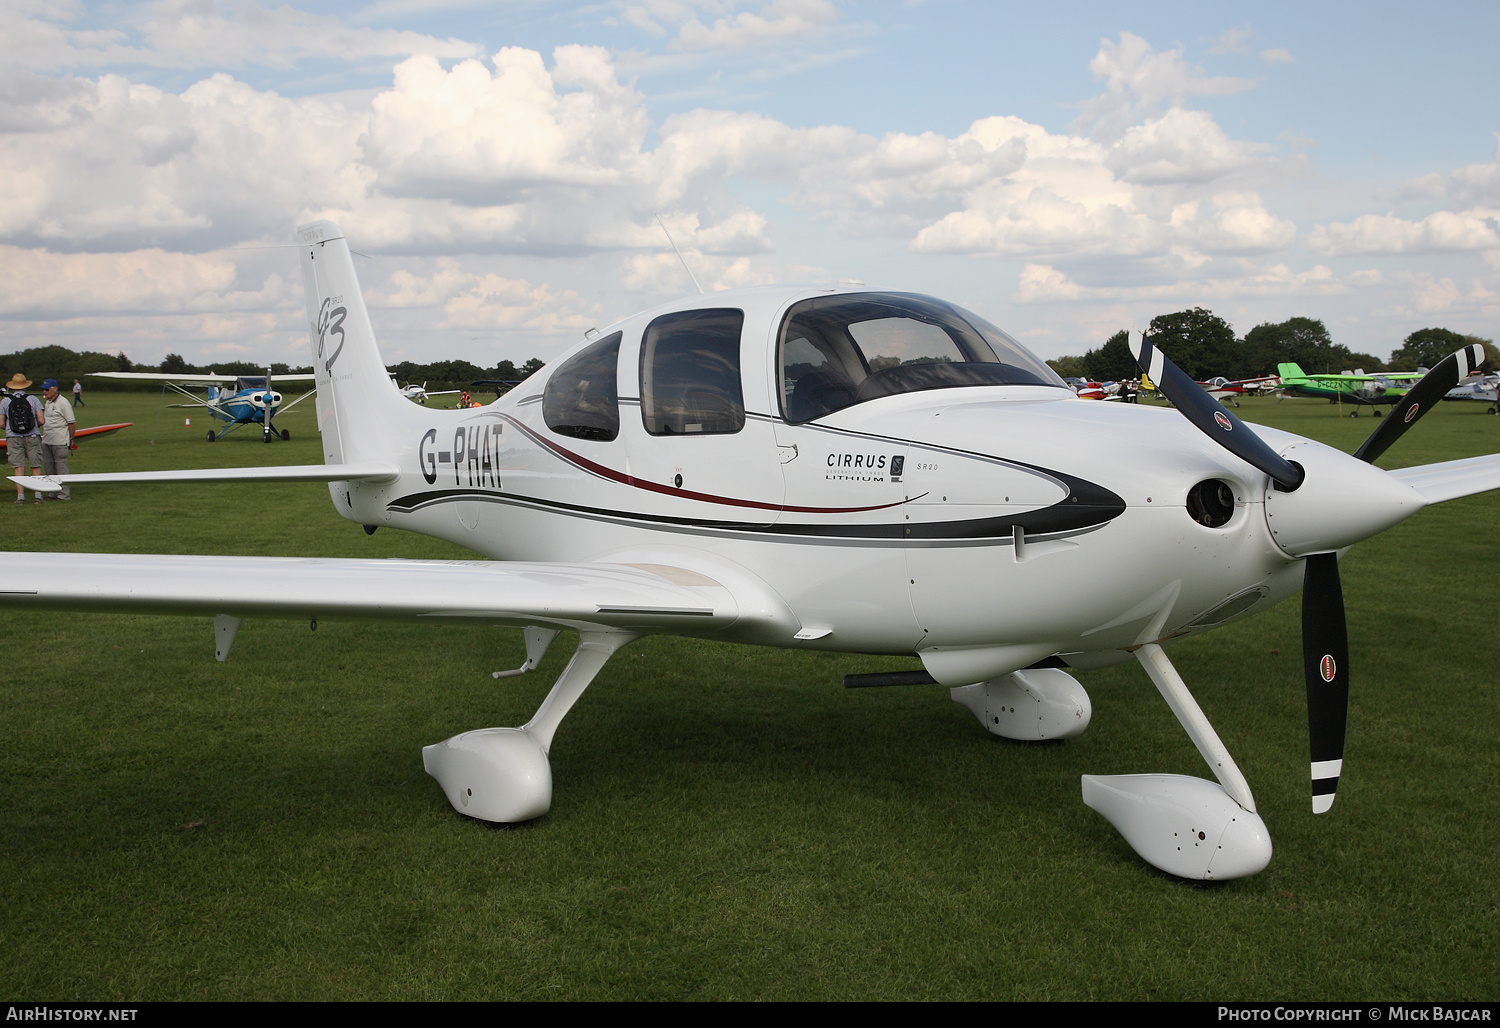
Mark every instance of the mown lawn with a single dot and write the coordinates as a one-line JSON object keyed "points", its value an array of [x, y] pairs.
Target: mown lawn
{"points": [[727, 822]]}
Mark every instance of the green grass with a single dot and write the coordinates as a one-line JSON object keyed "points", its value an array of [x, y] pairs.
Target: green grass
{"points": [[727, 822]]}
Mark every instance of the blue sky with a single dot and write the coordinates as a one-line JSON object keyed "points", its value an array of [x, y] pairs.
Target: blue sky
{"points": [[1066, 170]]}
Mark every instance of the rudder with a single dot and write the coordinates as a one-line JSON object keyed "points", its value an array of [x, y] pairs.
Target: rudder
{"points": [[355, 393]]}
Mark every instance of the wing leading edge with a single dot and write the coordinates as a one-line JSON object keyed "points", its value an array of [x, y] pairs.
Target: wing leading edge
{"points": [[633, 597], [1449, 480]]}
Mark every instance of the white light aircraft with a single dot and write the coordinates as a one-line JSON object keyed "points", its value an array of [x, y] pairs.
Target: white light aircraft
{"points": [[419, 394], [819, 468]]}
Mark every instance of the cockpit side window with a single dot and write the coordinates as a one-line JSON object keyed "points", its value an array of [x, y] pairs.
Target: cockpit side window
{"points": [[836, 351], [582, 396], [690, 373]]}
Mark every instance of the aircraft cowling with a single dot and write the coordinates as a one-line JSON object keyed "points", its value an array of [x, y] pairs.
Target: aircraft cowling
{"points": [[1342, 501]]}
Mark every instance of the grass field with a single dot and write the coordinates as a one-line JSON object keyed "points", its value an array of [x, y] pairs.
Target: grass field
{"points": [[728, 823]]}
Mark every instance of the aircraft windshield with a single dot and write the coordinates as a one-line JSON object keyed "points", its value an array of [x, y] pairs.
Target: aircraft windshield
{"points": [[836, 351]]}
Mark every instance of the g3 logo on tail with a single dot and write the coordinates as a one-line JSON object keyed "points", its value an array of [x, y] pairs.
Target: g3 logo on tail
{"points": [[331, 321]]}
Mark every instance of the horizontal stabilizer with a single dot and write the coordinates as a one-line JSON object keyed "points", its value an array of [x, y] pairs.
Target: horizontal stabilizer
{"points": [[191, 379], [1452, 479], [370, 471]]}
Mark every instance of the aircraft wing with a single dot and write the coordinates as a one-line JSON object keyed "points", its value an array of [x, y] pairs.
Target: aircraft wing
{"points": [[631, 597], [84, 433], [1452, 479], [370, 471]]}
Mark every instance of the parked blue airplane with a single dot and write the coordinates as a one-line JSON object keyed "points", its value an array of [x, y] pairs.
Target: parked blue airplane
{"points": [[239, 400]]}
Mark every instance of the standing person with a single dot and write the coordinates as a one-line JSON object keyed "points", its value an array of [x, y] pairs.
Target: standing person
{"points": [[78, 394], [58, 431], [22, 414]]}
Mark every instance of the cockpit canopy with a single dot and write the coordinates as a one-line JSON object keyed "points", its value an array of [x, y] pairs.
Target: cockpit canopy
{"points": [[833, 350], [842, 349]]}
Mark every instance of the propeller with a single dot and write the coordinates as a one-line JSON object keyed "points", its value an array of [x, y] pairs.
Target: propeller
{"points": [[1212, 418], [1450, 371], [1325, 636], [1325, 667]]}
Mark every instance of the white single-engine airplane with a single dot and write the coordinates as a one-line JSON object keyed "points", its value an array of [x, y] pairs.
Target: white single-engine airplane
{"points": [[419, 394], [819, 468]]}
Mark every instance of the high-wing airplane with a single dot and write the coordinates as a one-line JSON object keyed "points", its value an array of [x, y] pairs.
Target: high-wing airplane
{"points": [[817, 468], [419, 393], [84, 433], [238, 400], [1383, 389]]}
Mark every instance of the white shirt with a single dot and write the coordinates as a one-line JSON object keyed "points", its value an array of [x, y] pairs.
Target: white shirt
{"points": [[57, 417]]}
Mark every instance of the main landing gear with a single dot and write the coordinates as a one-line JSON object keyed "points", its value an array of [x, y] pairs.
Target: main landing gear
{"points": [[502, 774]]}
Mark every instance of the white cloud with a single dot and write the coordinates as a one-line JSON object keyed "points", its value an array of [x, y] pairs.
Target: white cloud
{"points": [[1181, 146], [1232, 41], [776, 21], [1140, 81], [1278, 55], [1443, 231], [143, 281], [202, 33], [1045, 284], [484, 300]]}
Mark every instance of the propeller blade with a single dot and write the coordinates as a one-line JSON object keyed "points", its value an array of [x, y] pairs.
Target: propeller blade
{"points": [[1450, 371], [1325, 663], [1211, 417]]}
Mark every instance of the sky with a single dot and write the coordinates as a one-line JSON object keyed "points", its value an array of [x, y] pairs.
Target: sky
{"points": [[505, 168]]}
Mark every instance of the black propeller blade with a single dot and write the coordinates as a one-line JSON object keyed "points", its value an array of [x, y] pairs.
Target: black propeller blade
{"points": [[1325, 665], [1450, 371], [1211, 417]]}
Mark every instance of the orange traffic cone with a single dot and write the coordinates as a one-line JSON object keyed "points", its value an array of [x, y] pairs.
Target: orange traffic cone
{"points": [[187, 422]]}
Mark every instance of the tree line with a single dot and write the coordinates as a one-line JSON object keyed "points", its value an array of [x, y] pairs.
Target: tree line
{"points": [[1204, 345], [63, 364]]}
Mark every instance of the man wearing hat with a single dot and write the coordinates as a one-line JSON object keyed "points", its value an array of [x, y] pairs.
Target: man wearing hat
{"points": [[57, 433], [22, 414]]}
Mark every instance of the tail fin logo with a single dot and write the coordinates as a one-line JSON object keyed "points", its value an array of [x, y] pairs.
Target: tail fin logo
{"points": [[331, 321]]}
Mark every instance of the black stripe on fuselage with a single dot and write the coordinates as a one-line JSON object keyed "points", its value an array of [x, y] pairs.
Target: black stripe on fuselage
{"points": [[1087, 506], [1048, 522]]}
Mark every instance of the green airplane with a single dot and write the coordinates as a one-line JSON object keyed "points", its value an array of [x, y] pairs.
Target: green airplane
{"points": [[1384, 389]]}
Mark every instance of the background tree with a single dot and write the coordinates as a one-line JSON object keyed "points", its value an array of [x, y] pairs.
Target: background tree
{"points": [[1069, 367], [1491, 353], [1301, 341], [1425, 347], [1199, 342], [1112, 362]]}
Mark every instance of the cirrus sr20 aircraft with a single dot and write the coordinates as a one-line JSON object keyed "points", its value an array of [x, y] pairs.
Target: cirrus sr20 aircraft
{"points": [[877, 472]]}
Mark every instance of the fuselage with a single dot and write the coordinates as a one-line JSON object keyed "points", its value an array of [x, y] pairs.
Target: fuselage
{"points": [[1013, 518], [247, 404]]}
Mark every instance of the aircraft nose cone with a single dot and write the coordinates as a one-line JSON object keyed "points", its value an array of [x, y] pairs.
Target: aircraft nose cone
{"points": [[1342, 501]]}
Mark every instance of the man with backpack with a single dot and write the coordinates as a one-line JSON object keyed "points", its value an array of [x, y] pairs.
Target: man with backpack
{"points": [[22, 414]]}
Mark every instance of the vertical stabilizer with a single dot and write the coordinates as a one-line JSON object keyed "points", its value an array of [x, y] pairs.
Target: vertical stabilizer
{"points": [[355, 394]]}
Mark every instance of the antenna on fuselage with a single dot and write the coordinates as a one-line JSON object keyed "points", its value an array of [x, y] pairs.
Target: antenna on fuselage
{"points": [[680, 257]]}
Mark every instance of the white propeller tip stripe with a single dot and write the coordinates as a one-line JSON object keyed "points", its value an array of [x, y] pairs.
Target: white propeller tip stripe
{"points": [[1327, 768], [1322, 804]]}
